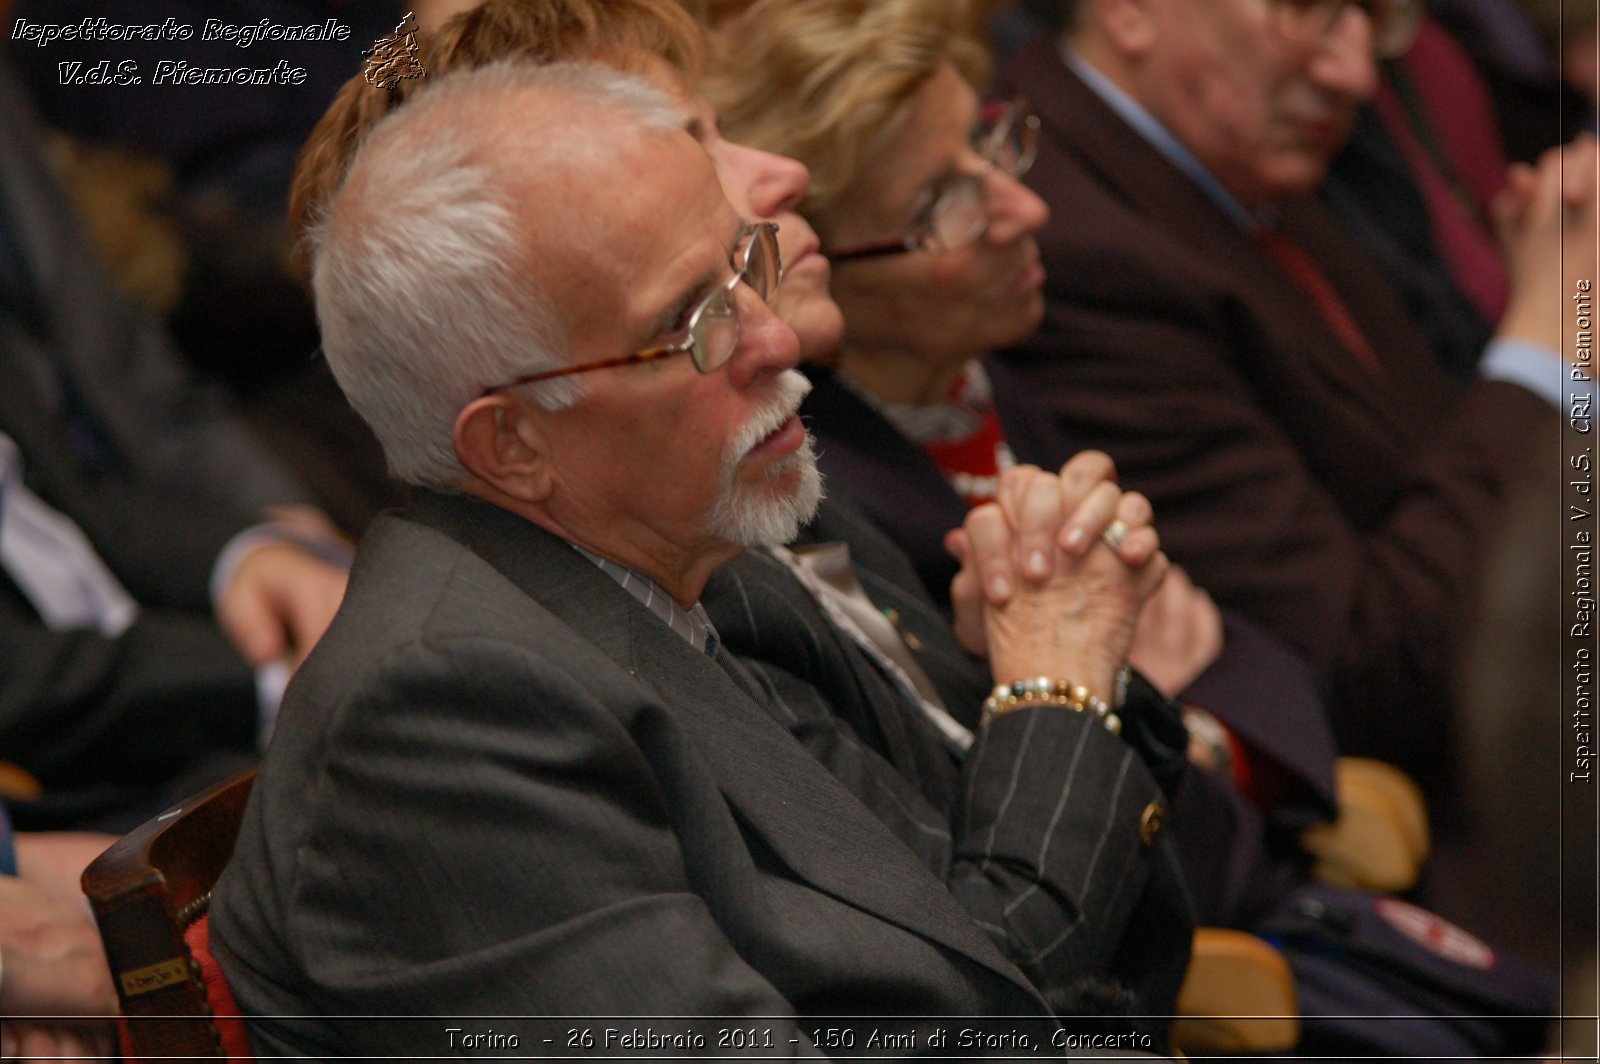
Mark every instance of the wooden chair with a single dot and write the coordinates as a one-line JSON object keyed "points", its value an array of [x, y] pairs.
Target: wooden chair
{"points": [[148, 891], [1380, 841], [1238, 997]]}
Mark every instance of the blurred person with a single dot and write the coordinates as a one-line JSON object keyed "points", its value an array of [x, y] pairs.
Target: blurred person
{"points": [[239, 317], [153, 555], [1212, 329], [631, 676], [1416, 184]]}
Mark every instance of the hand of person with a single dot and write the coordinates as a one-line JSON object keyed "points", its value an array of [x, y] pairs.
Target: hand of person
{"points": [[1036, 506], [55, 860], [279, 602], [1547, 218], [53, 961], [1179, 634], [1053, 598]]}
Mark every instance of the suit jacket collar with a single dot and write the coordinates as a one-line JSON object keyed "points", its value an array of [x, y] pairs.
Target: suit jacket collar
{"points": [[891, 581], [779, 791]]}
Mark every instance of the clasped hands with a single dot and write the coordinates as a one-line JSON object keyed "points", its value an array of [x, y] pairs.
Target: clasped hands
{"points": [[1042, 592], [1546, 218]]}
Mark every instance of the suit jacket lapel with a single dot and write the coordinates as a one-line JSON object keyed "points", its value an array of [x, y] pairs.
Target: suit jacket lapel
{"points": [[816, 826], [893, 584]]}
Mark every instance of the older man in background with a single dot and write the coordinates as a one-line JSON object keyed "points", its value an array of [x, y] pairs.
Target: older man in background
{"points": [[1213, 330]]}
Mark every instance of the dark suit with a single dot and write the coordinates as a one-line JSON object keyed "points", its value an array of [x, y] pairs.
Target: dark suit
{"points": [[1344, 511], [154, 469], [501, 786]]}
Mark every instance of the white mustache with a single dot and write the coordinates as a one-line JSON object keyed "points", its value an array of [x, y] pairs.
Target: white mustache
{"points": [[791, 388]]}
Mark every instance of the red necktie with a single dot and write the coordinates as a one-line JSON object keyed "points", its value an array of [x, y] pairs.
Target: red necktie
{"points": [[1304, 272]]}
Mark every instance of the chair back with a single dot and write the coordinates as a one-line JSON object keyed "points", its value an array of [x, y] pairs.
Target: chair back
{"points": [[146, 891]]}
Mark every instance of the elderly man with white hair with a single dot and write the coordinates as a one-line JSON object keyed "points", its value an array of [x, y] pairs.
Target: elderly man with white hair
{"points": [[519, 777]]}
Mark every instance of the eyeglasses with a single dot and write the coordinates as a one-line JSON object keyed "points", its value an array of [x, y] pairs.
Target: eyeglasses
{"points": [[1309, 22], [1007, 140], [712, 333]]}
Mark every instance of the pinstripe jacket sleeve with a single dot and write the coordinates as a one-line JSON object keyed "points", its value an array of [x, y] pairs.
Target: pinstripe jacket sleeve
{"points": [[1047, 831]]}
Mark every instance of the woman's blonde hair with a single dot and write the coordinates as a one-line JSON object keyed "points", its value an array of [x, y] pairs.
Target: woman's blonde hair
{"points": [[829, 81]]}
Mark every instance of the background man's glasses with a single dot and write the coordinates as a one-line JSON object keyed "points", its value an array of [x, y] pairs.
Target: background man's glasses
{"points": [[1007, 140], [1309, 22], [713, 330]]}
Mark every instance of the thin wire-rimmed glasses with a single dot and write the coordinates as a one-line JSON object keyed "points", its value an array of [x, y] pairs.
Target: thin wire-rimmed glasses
{"points": [[712, 333], [1308, 23], [1007, 140]]}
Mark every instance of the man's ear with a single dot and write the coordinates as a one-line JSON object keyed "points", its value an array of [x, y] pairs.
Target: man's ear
{"points": [[1127, 28], [499, 439]]}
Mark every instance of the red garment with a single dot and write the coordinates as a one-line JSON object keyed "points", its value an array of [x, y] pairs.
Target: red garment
{"points": [[973, 463], [1459, 112], [224, 1007], [231, 1032]]}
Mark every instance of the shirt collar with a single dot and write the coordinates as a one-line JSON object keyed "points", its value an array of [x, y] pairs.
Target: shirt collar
{"points": [[693, 624], [1160, 138]]}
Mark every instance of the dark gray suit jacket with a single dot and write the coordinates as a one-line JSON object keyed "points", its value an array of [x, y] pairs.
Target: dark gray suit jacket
{"points": [[501, 787]]}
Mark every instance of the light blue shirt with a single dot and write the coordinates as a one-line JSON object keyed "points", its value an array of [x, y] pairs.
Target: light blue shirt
{"points": [[1539, 369]]}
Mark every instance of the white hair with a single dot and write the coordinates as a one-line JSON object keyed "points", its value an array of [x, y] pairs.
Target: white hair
{"points": [[422, 265]]}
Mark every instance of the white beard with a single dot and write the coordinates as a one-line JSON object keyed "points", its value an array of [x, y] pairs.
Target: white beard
{"points": [[749, 514]]}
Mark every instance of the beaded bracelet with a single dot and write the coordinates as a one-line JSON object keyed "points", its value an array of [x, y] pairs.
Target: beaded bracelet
{"points": [[1043, 691]]}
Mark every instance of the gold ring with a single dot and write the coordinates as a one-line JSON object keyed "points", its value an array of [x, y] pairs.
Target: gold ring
{"points": [[1114, 534]]}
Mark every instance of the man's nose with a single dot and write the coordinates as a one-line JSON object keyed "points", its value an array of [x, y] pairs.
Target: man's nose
{"points": [[1344, 64], [767, 345]]}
